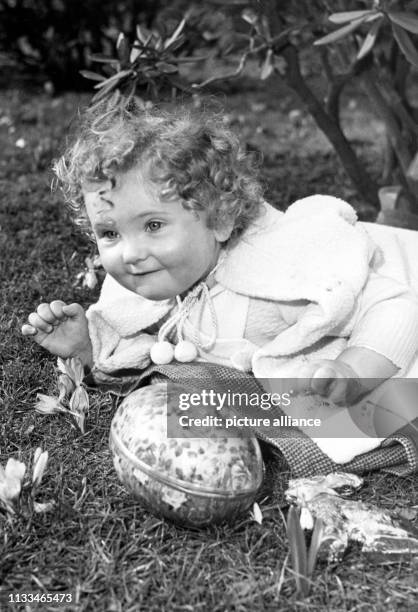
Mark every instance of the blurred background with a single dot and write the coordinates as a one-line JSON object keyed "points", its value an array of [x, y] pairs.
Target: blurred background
{"points": [[325, 93]]}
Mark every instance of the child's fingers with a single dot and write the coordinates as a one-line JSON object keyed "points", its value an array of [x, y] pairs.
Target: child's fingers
{"points": [[338, 392], [45, 313], [303, 382], [38, 323], [29, 330], [57, 309], [73, 310], [323, 380]]}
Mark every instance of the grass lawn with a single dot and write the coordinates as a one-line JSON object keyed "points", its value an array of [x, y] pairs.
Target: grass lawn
{"points": [[97, 542]]}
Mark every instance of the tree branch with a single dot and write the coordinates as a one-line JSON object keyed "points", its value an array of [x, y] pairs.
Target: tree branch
{"points": [[364, 183], [394, 134]]}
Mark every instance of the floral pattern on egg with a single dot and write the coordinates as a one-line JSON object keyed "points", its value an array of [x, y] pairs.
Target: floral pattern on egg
{"points": [[193, 481]]}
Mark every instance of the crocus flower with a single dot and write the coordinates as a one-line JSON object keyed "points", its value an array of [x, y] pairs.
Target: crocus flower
{"points": [[77, 369], [79, 405], [71, 393], [40, 459], [47, 404], [256, 514], [73, 368], [43, 507], [90, 279], [65, 387], [11, 482]]}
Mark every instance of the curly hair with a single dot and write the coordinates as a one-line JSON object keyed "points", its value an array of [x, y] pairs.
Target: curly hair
{"points": [[189, 155]]}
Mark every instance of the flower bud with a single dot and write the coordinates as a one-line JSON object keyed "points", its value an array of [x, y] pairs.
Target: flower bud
{"points": [[90, 279], [11, 478], [43, 507], [40, 460], [47, 404], [79, 402], [257, 514], [65, 387]]}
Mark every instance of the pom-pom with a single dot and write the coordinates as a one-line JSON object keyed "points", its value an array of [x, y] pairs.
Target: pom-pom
{"points": [[162, 353], [185, 351]]}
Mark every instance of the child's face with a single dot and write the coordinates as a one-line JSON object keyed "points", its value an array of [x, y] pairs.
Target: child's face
{"points": [[154, 248]]}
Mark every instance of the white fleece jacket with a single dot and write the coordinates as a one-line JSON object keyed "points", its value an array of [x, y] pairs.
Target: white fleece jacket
{"points": [[316, 251]]}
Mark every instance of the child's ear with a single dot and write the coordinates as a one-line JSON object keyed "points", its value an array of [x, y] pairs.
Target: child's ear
{"points": [[224, 231]]}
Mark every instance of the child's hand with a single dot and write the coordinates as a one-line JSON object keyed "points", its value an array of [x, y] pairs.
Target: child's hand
{"points": [[61, 329], [333, 379]]}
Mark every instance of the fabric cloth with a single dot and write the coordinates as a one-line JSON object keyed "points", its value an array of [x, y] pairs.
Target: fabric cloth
{"points": [[314, 261], [293, 454], [248, 323]]}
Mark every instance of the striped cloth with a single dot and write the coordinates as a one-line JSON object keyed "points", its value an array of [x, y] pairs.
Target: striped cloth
{"points": [[294, 453]]}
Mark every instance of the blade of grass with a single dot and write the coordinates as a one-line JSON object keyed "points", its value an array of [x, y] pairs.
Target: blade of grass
{"points": [[316, 542], [298, 552]]}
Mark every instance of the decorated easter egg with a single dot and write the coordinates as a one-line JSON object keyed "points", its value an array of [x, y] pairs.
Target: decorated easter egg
{"points": [[193, 481]]}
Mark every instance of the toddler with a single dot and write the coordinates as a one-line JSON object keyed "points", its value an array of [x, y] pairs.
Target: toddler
{"points": [[200, 268]]}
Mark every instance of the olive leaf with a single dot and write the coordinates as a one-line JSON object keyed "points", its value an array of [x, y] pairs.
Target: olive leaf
{"points": [[166, 68], [93, 76], [405, 44], [123, 50], [175, 35], [345, 16], [341, 32], [135, 53], [113, 79], [408, 21], [143, 35], [250, 16], [103, 59], [268, 65], [369, 40]]}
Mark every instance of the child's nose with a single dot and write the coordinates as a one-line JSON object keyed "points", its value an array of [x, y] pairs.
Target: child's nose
{"points": [[134, 251]]}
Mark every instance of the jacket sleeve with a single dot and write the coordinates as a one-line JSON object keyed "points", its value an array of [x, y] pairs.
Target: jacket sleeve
{"points": [[386, 320], [113, 351], [119, 329]]}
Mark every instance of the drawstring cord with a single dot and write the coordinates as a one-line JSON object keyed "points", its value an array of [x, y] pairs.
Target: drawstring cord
{"points": [[179, 318], [163, 351]]}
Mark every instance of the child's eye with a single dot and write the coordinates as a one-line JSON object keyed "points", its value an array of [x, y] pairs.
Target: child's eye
{"points": [[109, 235], [154, 226]]}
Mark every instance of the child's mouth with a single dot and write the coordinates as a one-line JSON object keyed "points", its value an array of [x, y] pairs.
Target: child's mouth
{"points": [[145, 273]]}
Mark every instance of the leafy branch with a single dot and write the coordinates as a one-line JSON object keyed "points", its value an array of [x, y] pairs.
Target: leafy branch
{"points": [[277, 38]]}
